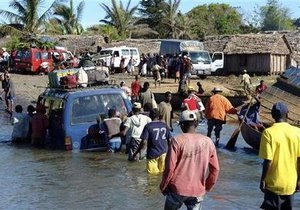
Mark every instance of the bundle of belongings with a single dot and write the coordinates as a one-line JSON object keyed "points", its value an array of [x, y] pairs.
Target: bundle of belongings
{"points": [[72, 78]]}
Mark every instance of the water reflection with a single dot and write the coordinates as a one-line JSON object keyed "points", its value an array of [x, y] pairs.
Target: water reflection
{"points": [[44, 179]]}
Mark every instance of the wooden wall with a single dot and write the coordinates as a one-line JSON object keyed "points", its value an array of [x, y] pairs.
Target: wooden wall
{"points": [[255, 63]]}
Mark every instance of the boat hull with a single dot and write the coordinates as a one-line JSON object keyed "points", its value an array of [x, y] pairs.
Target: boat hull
{"points": [[251, 136]]}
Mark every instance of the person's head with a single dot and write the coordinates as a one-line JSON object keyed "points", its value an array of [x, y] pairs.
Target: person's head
{"points": [[261, 82], [19, 109], [111, 113], [146, 85], [191, 89], [244, 71], [147, 107], [168, 96], [30, 109], [188, 121], [136, 109], [199, 84], [279, 112], [122, 83], [216, 90], [154, 114]]}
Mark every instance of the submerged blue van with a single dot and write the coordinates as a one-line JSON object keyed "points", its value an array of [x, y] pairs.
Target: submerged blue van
{"points": [[71, 112]]}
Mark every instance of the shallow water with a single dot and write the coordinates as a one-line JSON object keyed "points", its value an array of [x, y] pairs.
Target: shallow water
{"points": [[44, 179]]}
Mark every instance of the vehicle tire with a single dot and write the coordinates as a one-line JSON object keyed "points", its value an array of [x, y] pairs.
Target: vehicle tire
{"points": [[202, 76]]}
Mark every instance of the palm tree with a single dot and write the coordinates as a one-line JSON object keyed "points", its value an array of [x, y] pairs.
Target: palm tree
{"points": [[69, 18], [27, 15], [170, 13], [121, 18]]}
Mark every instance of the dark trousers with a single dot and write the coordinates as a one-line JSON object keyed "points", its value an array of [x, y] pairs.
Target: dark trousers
{"points": [[214, 123]]}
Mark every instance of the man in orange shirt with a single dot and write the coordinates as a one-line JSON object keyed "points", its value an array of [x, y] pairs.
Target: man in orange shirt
{"points": [[216, 109]]}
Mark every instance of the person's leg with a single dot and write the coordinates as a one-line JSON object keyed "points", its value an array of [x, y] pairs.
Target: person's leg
{"points": [[173, 201], [152, 166], [210, 126], [218, 128], [161, 163], [194, 203]]}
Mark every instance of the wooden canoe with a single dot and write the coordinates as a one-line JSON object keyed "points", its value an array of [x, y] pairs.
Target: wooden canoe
{"points": [[251, 136]]}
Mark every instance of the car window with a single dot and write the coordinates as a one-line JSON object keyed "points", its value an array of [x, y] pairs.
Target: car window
{"points": [[44, 55], [37, 55], [85, 109], [116, 54], [23, 54], [133, 52], [125, 52]]}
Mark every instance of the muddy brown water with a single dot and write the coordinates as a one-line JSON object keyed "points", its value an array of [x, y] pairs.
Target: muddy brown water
{"points": [[44, 179]]}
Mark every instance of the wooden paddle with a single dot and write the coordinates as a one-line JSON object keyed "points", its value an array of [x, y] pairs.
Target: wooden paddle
{"points": [[231, 142]]}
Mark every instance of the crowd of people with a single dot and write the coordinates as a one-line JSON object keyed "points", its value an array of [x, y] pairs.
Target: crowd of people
{"points": [[188, 161]]}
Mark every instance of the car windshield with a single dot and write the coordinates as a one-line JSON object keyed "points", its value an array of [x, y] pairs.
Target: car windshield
{"points": [[106, 52], [85, 109], [200, 56]]}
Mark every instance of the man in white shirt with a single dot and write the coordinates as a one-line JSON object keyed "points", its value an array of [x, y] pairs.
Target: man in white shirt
{"points": [[135, 125], [246, 80]]}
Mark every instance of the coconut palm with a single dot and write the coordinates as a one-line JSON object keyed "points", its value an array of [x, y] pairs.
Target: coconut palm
{"points": [[69, 18], [121, 18], [170, 13], [28, 14]]}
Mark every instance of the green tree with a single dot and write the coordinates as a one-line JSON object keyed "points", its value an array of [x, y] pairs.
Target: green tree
{"points": [[151, 14], [67, 17], [275, 17], [215, 19], [169, 18], [121, 18], [28, 14]]}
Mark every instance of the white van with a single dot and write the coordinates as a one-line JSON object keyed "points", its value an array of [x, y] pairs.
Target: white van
{"points": [[116, 53]]}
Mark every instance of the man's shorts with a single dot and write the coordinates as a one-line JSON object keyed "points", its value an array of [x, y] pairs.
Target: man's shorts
{"points": [[274, 201], [156, 165]]}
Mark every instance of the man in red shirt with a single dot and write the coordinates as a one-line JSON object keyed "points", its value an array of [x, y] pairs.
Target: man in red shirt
{"points": [[191, 167], [261, 87], [135, 89]]}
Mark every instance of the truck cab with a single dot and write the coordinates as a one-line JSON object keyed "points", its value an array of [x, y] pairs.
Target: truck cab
{"points": [[203, 62]]}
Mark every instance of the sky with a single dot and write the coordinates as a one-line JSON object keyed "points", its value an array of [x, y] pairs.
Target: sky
{"points": [[93, 12]]}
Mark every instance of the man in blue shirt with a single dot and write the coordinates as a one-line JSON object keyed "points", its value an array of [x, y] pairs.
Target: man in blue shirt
{"points": [[155, 137]]}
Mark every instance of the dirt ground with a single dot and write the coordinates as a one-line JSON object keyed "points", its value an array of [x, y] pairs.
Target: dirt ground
{"points": [[28, 87]]}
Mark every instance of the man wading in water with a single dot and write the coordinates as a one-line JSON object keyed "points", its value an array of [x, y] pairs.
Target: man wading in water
{"points": [[192, 166]]}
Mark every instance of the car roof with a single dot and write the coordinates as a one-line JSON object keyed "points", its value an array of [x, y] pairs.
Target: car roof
{"points": [[65, 93]]}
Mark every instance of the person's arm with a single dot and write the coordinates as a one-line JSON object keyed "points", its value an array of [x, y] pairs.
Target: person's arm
{"points": [[266, 167], [214, 170], [170, 166], [298, 172], [142, 146]]}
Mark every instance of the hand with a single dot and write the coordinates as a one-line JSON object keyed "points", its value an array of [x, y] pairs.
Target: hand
{"points": [[262, 186]]}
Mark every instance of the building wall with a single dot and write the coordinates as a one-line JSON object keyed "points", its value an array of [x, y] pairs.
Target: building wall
{"points": [[255, 63]]}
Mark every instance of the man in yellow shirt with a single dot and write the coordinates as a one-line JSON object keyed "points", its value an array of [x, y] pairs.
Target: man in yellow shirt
{"points": [[280, 149]]}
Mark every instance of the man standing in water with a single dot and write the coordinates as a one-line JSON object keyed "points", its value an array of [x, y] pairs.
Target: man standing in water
{"points": [[192, 166], [280, 149], [216, 109], [155, 138]]}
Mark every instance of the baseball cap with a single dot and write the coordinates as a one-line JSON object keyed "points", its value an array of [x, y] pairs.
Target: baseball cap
{"points": [[187, 115], [137, 105], [279, 109]]}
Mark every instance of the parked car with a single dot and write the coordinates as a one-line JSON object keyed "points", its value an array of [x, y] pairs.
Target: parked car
{"points": [[36, 60], [72, 111]]}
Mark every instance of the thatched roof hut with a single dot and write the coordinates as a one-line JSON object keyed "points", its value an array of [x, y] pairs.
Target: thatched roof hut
{"points": [[258, 53]]}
